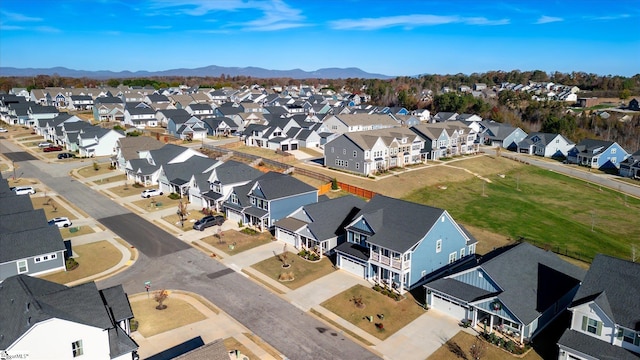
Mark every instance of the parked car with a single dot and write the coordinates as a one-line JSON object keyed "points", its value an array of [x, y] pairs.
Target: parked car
{"points": [[151, 192], [44, 144], [52, 148], [60, 222], [208, 221], [23, 190], [3, 130], [66, 155]]}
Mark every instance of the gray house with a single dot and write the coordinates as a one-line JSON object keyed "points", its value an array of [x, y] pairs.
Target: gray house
{"points": [[503, 135], [268, 199], [27, 247], [319, 226]]}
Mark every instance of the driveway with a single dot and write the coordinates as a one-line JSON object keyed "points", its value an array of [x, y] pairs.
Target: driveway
{"points": [[322, 289]]}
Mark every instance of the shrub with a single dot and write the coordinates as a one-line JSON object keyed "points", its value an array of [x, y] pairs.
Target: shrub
{"points": [[240, 224], [510, 346], [71, 264], [334, 184], [174, 196], [96, 167], [248, 231], [133, 324]]}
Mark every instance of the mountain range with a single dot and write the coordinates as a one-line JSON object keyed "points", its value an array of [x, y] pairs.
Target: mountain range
{"points": [[213, 71]]}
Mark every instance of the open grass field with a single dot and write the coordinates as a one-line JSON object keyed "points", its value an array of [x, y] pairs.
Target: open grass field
{"points": [[303, 271], [152, 321], [552, 209], [397, 314], [234, 242], [93, 258]]}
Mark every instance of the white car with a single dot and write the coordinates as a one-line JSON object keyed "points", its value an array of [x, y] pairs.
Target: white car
{"points": [[23, 190], [60, 222], [3, 130], [151, 192], [44, 144]]}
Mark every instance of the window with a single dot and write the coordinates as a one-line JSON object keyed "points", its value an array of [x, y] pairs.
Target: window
{"points": [[355, 153], [22, 266], [344, 151], [76, 347], [438, 245], [591, 325], [630, 337], [613, 151], [461, 253], [332, 149], [452, 257], [234, 198], [357, 165]]}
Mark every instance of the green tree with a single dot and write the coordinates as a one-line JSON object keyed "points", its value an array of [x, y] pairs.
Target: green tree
{"points": [[113, 82]]}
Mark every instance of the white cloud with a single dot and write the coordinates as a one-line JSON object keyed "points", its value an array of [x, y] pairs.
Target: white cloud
{"points": [[18, 17], [276, 14], [411, 21], [548, 19]]}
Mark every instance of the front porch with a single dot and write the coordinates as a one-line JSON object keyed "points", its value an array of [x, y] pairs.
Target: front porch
{"points": [[486, 322]]}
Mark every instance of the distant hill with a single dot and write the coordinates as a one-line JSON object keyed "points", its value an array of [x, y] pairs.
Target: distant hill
{"points": [[213, 70]]}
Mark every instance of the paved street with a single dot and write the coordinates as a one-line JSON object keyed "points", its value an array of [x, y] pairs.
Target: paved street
{"points": [[169, 263]]}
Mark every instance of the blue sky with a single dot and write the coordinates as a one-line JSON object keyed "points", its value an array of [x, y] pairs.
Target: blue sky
{"points": [[388, 37]]}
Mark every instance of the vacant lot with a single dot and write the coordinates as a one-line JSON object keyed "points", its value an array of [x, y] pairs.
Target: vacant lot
{"points": [[554, 210]]}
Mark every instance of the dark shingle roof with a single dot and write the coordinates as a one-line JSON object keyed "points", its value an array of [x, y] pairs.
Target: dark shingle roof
{"points": [[398, 224], [458, 289], [118, 302], [616, 283], [330, 217], [275, 185], [233, 172], [594, 347], [31, 242]]}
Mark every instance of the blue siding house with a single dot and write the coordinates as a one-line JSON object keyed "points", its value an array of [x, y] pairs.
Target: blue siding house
{"points": [[268, 199], [597, 154], [402, 244]]}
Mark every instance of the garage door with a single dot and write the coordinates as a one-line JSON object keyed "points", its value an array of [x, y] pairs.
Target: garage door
{"points": [[285, 236], [285, 147], [234, 216], [294, 146], [352, 266], [452, 309]]}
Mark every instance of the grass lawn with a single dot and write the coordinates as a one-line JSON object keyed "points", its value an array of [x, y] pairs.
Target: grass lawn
{"points": [[4, 167], [126, 190], [21, 181], [81, 230], [115, 178], [253, 150], [238, 240], [93, 258], [397, 314], [174, 219], [161, 199], [89, 171], [48, 205], [463, 341], [303, 271], [152, 321], [550, 208]]}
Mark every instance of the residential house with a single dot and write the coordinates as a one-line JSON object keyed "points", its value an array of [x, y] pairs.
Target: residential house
{"points": [[630, 167], [597, 154], [145, 170], [108, 108], [517, 290], [200, 110], [400, 243], [605, 313], [446, 139], [422, 114], [546, 145], [319, 226], [177, 177], [164, 115], [44, 320], [215, 188], [80, 102], [28, 247], [190, 128], [373, 151], [97, 141], [634, 105], [445, 116], [67, 134], [39, 112], [346, 123], [140, 117], [218, 126], [129, 148], [502, 135], [268, 199]]}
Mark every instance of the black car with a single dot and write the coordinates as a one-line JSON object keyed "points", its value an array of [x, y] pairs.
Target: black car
{"points": [[208, 221], [66, 155]]}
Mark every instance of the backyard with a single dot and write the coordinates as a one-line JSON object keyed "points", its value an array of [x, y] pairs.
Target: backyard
{"points": [[395, 314], [302, 271]]}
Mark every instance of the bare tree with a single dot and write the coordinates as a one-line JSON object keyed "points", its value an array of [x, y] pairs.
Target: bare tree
{"points": [[160, 296], [284, 256], [182, 212], [478, 349]]}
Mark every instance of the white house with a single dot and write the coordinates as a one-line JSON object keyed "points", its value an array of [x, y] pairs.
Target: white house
{"points": [[96, 141], [545, 144]]}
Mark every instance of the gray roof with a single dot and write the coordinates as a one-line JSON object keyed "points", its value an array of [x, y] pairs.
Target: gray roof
{"points": [[30, 242], [614, 284], [233, 172], [366, 119], [26, 301], [458, 289], [330, 217], [596, 348], [184, 170], [290, 224], [15, 222], [166, 153], [275, 185], [212, 351], [532, 279], [131, 145], [593, 146], [355, 250], [118, 302], [17, 203], [398, 225]]}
